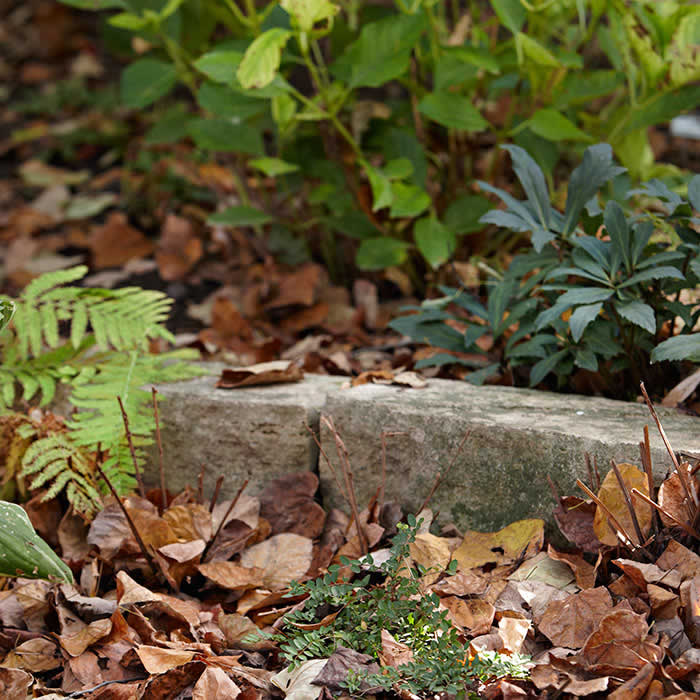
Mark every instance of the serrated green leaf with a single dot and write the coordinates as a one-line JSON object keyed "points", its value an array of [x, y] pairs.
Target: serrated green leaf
{"points": [[581, 317], [542, 368], [639, 313], [595, 170], [618, 230], [680, 347], [654, 273]]}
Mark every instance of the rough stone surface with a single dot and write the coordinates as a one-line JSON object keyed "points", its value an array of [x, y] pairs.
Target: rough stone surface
{"points": [[517, 438], [255, 433]]}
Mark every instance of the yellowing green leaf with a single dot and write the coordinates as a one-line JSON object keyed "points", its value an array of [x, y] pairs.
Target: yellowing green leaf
{"points": [[262, 59], [306, 13]]}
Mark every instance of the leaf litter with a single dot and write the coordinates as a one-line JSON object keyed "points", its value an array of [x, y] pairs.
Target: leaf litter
{"points": [[611, 615]]}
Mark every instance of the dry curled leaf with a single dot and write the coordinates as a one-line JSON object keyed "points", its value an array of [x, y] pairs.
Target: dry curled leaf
{"points": [[277, 372]]}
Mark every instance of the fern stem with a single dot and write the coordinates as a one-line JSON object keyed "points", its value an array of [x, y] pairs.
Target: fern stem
{"points": [[129, 439], [161, 467]]}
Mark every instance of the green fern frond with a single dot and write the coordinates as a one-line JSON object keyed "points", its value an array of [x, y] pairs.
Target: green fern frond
{"points": [[104, 357], [58, 461]]}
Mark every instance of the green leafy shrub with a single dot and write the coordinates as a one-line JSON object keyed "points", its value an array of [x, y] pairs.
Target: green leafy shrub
{"points": [[106, 356], [442, 662], [369, 117], [600, 290]]}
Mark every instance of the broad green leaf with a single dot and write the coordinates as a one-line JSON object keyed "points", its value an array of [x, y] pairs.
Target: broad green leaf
{"points": [[511, 13], [130, 21], [240, 216], [398, 169], [680, 347], [452, 111], [542, 368], [408, 201], [262, 59], [223, 135], [24, 553], [462, 216], [273, 166], [223, 101], [581, 87], [581, 317], [382, 194], [354, 224], [382, 52], [306, 13], [145, 81], [220, 65], [170, 129], [402, 143], [434, 240], [595, 170], [663, 107], [532, 180], [527, 47], [554, 126], [380, 253], [694, 192], [478, 56], [639, 313]]}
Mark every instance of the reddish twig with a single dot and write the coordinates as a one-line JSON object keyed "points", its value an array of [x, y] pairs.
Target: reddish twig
{"points": [[349, 482], [159, 442], [215, 495], [684, 526], [132, 525], [130, 441], [645, 455]]}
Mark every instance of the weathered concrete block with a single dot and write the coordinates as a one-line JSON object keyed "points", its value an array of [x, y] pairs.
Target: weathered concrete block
{"points": [[256, 433], [518, 437]]}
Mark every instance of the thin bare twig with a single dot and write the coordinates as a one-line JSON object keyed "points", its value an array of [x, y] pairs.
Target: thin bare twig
{"points": [[379, 493], [229, 510], [130, 441], [553, 488], [159, 442], [440, 476], [684, 526]]}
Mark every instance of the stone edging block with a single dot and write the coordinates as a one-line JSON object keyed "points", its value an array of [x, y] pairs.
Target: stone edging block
{"points": [[517, 438]]}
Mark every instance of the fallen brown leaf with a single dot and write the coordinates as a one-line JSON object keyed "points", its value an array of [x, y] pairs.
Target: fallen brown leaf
{"points": [[277, 372]]}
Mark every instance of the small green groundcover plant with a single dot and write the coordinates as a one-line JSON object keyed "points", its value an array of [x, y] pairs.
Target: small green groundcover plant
{"points": [[104, 356], [368, 605], [345, 102], [603, 290]]}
